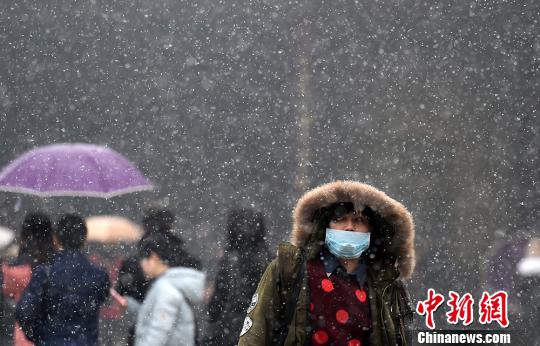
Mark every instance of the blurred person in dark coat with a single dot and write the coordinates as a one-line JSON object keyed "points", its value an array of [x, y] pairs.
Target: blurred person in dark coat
{"points": [[61, 303], [35, 248], [131, 279], [243, 262]]}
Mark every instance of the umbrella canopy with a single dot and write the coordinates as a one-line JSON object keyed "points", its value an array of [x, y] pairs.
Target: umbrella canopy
{"points": [[112, 229], [6, 237], [72, 170]]}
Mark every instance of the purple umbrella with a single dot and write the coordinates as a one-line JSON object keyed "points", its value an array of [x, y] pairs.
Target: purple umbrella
{"points": [[72, 170]]}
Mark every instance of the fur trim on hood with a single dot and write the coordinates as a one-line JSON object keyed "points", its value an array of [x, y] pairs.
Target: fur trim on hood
{"points": [[361, 195]]}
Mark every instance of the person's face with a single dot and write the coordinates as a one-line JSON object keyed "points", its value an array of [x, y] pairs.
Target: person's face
{"points": [[350, 222], [150, 265]]}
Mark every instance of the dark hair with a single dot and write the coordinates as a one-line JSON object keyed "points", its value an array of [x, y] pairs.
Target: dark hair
{"points": [[245, 229], [71, 231], [36, 239], [327, 214], [157, 220], [170, 250]]}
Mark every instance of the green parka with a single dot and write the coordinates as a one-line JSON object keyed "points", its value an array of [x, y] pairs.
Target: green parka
{"points": [[278, 313]]}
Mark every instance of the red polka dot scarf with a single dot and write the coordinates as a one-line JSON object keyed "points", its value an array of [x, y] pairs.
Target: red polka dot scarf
{"points": [[339, 308]]}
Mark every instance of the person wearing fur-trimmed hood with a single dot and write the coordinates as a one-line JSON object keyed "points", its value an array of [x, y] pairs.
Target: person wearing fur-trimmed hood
{"points": [[340, 280]]}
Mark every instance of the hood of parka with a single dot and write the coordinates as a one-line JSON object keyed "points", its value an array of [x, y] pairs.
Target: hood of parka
{"points": [[398, 222]]}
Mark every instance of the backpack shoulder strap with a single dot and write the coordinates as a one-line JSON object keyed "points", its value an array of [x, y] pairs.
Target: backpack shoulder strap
{"points": [[47, 270], [290, 259]]}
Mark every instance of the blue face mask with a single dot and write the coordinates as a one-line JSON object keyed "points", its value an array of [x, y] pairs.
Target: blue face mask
{"points": [[346, 244]]}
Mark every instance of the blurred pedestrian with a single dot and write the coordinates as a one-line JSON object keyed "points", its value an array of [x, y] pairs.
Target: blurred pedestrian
{"points": [[61, 303], [131, 279], [35, 248], [244, 260], [339, 280], [167, 315]]}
